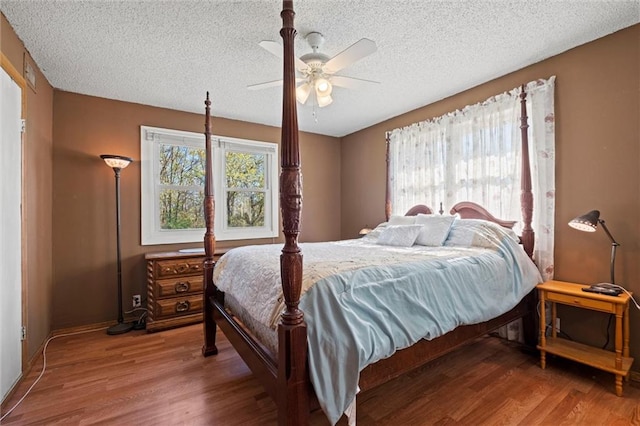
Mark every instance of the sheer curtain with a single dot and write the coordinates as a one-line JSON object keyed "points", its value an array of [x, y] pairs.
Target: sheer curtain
{"points": [[474, 154], [467, 155]]}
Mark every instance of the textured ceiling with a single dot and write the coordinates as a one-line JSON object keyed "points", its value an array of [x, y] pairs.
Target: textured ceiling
{"points": [[169, 53]]}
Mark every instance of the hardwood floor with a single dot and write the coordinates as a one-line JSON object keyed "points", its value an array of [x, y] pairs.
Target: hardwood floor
{"points": [[161, 379]]}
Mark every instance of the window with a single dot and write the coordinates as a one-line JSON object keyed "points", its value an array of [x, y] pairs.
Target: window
{"points": [[173, 168]]}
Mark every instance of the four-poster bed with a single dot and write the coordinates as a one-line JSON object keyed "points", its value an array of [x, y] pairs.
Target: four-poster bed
{"points": [[285, 372]]}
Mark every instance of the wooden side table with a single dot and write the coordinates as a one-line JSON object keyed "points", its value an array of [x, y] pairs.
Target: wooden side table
{"points": [[571, 294], [175, 288]]}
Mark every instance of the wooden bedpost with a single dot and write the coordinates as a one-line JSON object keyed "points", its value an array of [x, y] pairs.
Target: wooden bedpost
{"points": [[209, 347], [530, 321], [293, 380], [387, 195], [526, 197]]}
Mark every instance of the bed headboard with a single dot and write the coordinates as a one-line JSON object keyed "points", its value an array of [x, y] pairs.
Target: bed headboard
{"points": [[418, 209], [469, 210]]}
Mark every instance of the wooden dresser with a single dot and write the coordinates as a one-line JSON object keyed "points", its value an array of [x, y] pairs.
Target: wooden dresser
{"points": [[174, 289]]}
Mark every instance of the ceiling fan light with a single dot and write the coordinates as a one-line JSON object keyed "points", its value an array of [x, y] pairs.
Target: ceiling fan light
{"points": [[302, 93], [323, 101], [323, 87]]}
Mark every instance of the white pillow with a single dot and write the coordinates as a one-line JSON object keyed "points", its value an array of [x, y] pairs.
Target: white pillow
{"points": [[435, 229], [402, 220], [375, 232], [399, 235]]}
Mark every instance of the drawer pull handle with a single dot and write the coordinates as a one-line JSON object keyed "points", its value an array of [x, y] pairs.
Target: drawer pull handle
{"points": [[183, 306], [180, 269], [182, 287]]}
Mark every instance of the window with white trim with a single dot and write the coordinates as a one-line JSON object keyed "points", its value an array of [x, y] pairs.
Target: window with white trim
{"points": [[173, 168]]}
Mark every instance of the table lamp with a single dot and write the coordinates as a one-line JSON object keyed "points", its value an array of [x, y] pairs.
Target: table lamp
{"points": [[589, 222]]}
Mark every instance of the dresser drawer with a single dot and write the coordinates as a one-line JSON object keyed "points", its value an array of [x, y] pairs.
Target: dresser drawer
{"points": [[179, 286], [176, 306], [598, 305], [178, 267]]}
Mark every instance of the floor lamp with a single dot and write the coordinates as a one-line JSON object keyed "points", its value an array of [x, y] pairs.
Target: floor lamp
{"points": [[588, 222], [117, 163]]}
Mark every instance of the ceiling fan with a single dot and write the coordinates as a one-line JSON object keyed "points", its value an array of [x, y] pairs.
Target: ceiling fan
{"points": [[317, 72]]}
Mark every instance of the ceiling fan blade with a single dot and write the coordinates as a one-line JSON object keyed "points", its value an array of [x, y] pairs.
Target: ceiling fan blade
{"points": [[265, 85], [268, 84], [276, 49], [351, 82], [351, 54], [272, 47]]}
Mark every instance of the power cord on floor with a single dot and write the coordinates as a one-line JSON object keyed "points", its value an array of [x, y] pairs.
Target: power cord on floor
{"points": [[44, 366], [140, 323]]}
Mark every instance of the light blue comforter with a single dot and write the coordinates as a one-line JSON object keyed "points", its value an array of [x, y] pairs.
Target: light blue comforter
{"points": [[357, 315], [362, 316]]}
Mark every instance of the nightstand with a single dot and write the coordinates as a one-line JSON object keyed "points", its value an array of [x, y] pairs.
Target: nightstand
{"points": [[571, 294], [174, 289]]}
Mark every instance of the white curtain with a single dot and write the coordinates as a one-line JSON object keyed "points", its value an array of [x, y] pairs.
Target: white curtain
{"points": [[474, 154], [542, 149], [467, 155]]}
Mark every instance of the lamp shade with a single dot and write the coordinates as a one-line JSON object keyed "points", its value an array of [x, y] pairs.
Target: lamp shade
{"points": [[116, 161], [302, 92], [323, 101], [323, 87], [587, 222]]}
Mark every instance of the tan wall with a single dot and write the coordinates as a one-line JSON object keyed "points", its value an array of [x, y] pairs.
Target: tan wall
{"points": [[597, 166], [37, 208], [84, 200]]}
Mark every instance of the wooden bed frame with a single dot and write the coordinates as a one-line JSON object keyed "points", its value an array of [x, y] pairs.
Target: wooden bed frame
{"points": [[286, 379]]}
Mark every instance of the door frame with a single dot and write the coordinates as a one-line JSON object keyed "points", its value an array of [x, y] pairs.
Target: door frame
{"points": [[8, 67]]}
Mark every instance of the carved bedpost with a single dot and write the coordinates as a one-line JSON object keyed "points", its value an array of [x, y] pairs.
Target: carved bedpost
{"points": [[526, 197], [293, 381], [387, 195], [530, 325], [209, 347]]}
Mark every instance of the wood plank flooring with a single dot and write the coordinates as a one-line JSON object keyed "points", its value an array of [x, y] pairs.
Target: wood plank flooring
{"points": [[161, 379]]}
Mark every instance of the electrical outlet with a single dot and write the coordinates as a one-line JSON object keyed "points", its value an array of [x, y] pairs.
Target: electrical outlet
{"points": [[136, 301], [557, 325]]}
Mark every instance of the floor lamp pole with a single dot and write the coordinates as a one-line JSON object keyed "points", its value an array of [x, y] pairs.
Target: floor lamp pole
{"points": [[118, 162]]}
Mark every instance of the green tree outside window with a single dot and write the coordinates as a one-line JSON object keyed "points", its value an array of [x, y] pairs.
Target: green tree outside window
{"points": [[245, 188]]}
